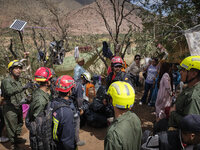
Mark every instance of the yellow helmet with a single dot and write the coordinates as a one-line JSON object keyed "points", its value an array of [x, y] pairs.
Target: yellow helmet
{"points": [[191, 62], [14, 63], [122, 93]]}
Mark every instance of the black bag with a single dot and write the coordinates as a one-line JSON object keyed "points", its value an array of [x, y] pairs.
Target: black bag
{"points": [[41, 129], [95, 120]]}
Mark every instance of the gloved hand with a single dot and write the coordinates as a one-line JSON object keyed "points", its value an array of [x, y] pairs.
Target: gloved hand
{"points": [[28, 85], [23, 101]]}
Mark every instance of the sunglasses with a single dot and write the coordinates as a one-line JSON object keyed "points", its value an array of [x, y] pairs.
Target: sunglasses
{"points": [[118, 66], [137, 58]]}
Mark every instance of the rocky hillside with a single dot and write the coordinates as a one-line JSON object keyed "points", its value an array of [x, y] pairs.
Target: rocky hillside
{"points": [[83, 18], [85, 2], [87, 20]]}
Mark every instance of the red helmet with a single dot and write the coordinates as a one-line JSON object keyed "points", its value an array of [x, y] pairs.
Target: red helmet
{"points": [[43, 74], [116, 60], [64, 83]]}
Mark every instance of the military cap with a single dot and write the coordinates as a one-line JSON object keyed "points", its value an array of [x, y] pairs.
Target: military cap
{"points": [[190, 123]]}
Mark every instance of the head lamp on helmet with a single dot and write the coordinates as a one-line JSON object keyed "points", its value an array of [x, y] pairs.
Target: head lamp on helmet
{"points": [[86, 76], [191, 62], [65, 83], [43, 74], [14, 63], [122, 93]]}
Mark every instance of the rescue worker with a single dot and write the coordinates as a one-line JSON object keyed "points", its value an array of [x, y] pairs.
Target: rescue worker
{"points": [[89, 89], [116, 74], [79, 97], [187, 102], [64, 117], [125, 132], [78, 70], [186, 138], [40, 98], [13, 93]]}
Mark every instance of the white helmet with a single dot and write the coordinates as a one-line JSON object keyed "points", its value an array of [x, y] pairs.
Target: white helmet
{"points": [[87, 76]]}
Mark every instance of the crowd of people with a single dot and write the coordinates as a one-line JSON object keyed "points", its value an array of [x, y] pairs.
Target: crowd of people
{"points": [[59, 106]]}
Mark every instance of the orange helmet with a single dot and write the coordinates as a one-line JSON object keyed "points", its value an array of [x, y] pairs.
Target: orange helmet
{"points": [[65, 83], [43, 74]]}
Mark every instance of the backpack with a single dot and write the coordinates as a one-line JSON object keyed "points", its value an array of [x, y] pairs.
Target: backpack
{"points": [[41, 129]]}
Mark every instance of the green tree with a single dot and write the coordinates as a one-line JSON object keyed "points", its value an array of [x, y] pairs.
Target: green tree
{"points": [[166, 20]]}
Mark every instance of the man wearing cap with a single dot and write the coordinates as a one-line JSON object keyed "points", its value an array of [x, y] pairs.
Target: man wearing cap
{"points": [[13, 93], [125, 132], [188, 102], [187, 138], [78, 70]]}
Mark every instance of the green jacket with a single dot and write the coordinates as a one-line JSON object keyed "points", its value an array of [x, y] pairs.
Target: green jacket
{"points": [[188, 102], [12, 91], [39, 101], [124, 133]]}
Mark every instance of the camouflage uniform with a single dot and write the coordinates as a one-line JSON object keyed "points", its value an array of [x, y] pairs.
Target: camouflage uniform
{"points": [[39, 101], [188, 102], [124, 133], [12, 91]]}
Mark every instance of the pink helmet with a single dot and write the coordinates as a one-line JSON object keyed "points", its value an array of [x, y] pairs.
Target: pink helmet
{"points": [[116, 60]]}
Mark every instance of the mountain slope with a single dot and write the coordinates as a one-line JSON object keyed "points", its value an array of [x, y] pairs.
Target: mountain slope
{"points": [[86, 20], [83, 18]]}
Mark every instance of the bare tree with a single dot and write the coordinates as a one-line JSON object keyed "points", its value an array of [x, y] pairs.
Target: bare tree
{"points": [[120, 14]]}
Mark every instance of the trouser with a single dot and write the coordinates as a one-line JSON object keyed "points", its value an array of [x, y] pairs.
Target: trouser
{"points": [[13, 120], [154, 95], [2, 123], [147, 88], [134, 79], [77, 128]]}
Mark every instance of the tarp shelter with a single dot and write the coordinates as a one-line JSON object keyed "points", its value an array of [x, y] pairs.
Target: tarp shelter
{"points": [[193, 39]]}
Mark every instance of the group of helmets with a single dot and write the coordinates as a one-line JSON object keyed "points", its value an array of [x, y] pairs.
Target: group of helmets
{"points": [[63, 84], [122, 93]]}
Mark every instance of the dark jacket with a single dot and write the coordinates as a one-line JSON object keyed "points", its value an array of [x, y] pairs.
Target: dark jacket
{"points": [[120, 76], [167, 140], [77, 95], [64, 125]]}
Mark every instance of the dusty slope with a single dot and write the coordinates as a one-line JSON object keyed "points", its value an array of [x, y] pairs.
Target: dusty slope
{"points": [[84, 18], [28, 9]]}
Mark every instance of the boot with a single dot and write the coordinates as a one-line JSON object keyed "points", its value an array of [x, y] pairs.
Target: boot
{"points": [[20, 140], [80, 143]]}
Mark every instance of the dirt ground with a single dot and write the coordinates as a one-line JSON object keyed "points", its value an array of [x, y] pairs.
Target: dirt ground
{"points": [[94, 138]]}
